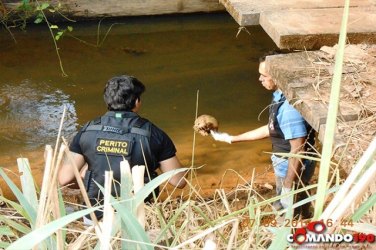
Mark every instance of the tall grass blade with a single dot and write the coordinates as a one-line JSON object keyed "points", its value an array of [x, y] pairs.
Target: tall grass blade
{"points": [[40, 234], [133, 228], [331, 120], [363, 228], [364, 208], [48, 153], [172, 221], [27, 182], [153, 184], [201, 235], [27, 210], [364, 162], [125, 195], [138, 173], [62, 214], [108, 213], [80, 183], [355, 193], [5, 230], [4, 244], [13, 224]]}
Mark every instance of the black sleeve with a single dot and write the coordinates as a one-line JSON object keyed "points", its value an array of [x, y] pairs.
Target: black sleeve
{"points": [[75, 143], [161, 144]]}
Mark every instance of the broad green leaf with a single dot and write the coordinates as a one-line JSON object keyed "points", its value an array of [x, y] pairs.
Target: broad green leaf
{"points": [[5, 230], [38, 20], [129, 222], [29, 240], [14, 224], [30, 211], [54, 27], [4, 244], [133, 228], [25, 5], [44, 6], [70, 28], [16, 206], [27, 182]]}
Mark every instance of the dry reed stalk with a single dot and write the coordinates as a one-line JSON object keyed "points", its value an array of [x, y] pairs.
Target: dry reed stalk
{"points": [[126, 192], [138, 172], [81, 186], [53, 199], [354, 194], [194, 191], [340, 195], [50, 196], [108, 213], [58, 135], [223, 197], [234, 233], [82, 239], [361, 228], [48, 155], [202, 235]]}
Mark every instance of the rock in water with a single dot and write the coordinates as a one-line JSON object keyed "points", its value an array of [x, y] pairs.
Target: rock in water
{"points": [[205, 123]]}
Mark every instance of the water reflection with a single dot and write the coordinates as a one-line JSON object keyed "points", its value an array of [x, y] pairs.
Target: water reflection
{"points": [[31, 113], [174, 56]]}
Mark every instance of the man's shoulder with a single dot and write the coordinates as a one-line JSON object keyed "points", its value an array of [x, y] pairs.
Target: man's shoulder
{"points": [[286, 107]]}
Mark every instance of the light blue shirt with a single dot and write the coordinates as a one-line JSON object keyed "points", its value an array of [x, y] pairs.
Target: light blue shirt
{"points": [[292, 125]]}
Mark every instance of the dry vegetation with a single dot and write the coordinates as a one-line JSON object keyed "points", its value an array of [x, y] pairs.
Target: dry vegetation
{"points": [[242, 218]]}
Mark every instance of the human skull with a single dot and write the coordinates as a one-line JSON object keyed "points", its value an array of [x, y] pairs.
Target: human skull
{"points": [[205, 123]]}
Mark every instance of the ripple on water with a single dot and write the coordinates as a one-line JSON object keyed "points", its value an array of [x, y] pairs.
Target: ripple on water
{"points": [[30, 114]]}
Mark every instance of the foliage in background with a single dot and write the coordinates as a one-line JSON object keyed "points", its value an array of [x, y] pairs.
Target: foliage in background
{"points": [[38, 12]]}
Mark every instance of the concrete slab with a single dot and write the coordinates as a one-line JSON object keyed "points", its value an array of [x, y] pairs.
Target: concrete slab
{"points": [[305, 79], [314, 28], [247, 12]]}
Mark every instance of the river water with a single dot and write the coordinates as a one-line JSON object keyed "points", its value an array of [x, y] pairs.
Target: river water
{"points": [[177, 57]]}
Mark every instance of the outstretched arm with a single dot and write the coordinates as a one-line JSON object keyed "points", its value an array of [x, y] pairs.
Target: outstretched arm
{"points": [[252, 135], [171, 164], [256, 134]]}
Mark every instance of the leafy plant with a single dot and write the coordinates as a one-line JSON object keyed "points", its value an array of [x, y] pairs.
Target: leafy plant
{"points": [[37, 11]]}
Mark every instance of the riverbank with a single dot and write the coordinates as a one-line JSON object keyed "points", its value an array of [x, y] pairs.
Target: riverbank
{"points": [[83, 9]]}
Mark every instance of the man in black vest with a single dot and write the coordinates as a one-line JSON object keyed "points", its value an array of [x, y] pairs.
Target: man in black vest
{"points": [[120, 134], [289, 133]]}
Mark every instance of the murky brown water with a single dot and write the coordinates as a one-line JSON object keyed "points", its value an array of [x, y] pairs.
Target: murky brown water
{"points": [[175, 56]]}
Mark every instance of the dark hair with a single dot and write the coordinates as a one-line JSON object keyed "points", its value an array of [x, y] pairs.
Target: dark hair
{"points": [[269, 53], [121, 93]]}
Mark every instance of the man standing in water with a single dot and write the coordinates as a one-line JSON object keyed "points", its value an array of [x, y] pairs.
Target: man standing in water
{"points": [[289, 133], [120, 134]]}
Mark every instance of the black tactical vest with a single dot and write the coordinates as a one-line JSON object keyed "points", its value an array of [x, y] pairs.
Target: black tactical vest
{"points": [[109, 139], [279, 144]]}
